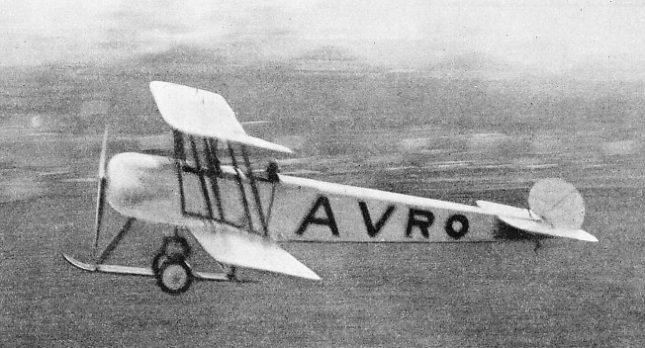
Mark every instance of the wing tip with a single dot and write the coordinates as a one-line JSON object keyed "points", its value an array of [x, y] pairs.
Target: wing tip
{"points": [[156, 85], [580, 235], [588, 237], [312, 276], [284, 149]]}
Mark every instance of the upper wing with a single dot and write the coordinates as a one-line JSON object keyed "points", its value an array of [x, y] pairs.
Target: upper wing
{"points": [[197, 112]]}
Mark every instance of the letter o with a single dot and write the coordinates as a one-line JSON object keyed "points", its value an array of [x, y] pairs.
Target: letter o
{"points": [[457, 231]]}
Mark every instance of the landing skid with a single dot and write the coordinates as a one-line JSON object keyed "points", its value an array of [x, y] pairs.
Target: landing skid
{"points": [[170, 268], [141, 271]]}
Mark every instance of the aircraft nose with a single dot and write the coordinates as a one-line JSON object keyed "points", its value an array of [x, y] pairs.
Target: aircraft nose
{"points": [[136, 179]]}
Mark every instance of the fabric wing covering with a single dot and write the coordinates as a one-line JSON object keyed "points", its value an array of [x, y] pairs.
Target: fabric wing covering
{"points": [[236, 247]]}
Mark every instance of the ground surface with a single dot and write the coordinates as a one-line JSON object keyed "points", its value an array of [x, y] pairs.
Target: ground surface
{"points": [[457, 139], [569, 294]]}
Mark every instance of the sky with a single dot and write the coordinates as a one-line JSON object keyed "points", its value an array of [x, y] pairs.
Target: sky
{"points": [[549, 36]]}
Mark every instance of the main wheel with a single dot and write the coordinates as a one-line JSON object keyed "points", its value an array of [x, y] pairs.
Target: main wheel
{"points": [[157, 261], [174, 276], [172, 248]]}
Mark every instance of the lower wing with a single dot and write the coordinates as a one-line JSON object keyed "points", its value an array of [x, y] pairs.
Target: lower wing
{"points": [[236, 247]]}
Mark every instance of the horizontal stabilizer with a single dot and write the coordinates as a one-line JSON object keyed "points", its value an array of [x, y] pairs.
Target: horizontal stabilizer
{"points": [[505, 210], [237, 247], [201, 113], [543, 228], [556, 209]]}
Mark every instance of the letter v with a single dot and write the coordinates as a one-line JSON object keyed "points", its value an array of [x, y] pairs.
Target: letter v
{"points": [[373, 230]]}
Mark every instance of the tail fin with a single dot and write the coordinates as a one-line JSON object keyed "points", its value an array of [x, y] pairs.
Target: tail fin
{"points": [[558, 203]]}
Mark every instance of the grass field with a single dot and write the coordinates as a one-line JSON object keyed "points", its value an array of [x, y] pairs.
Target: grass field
{"points": [[568, 294], [455, 139]]}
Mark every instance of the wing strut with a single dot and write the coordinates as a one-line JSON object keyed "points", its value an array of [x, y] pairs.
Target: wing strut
{"points": [[256, 192], [214, 171], [238, 177], [202, 180], [180, 158], [189, 160]]}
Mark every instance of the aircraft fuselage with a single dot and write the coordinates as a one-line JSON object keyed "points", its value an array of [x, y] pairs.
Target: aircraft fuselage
{"points": [[146, 187]]}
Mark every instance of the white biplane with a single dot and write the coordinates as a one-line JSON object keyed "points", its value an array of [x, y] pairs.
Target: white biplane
{"points": [[239, 216]]}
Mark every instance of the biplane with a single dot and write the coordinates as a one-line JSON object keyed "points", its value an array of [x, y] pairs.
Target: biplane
{"points": [[240, 216]]}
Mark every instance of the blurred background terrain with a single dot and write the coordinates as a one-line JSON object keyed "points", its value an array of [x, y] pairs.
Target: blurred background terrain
{"points": [[459, 100], [369, 85], [335, 113]]}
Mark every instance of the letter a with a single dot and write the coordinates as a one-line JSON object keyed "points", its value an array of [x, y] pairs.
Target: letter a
{"points": [[311, 218]]}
